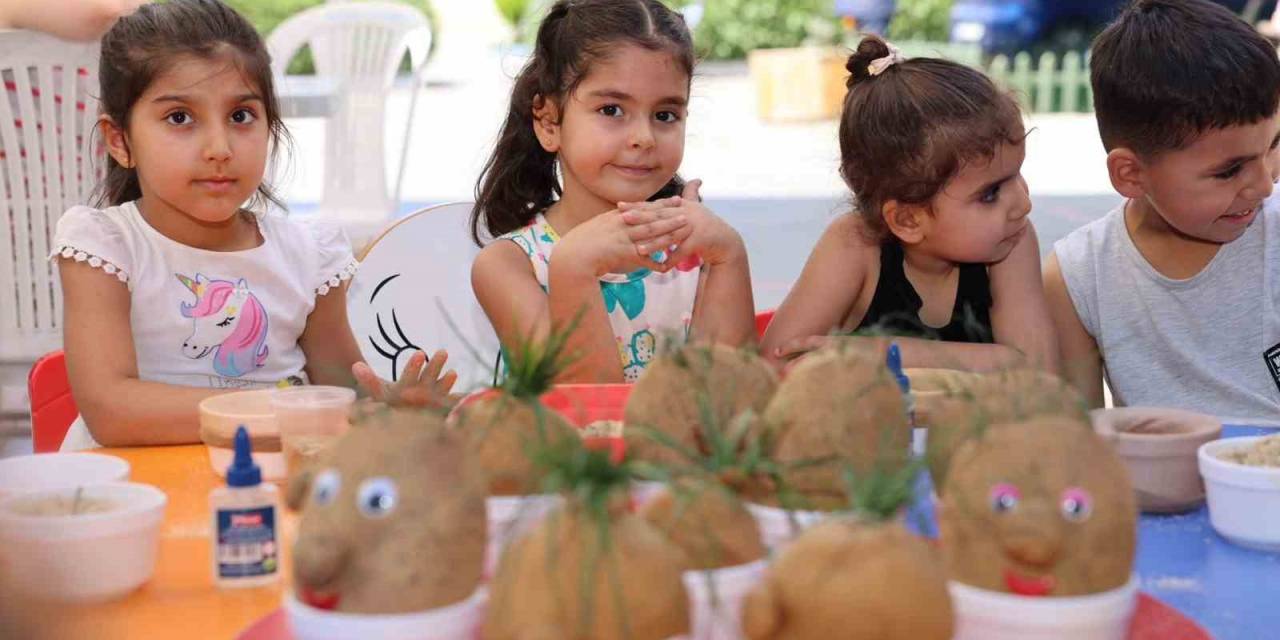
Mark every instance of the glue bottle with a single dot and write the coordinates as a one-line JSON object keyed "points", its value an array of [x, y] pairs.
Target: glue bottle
{"points": [[893, 360], [246, 543]]}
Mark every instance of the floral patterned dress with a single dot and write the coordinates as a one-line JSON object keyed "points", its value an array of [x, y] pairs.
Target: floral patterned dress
{"points": [[643, 305]]}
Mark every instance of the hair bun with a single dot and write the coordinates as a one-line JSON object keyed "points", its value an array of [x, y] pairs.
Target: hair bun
{"points": [[871, 48]]}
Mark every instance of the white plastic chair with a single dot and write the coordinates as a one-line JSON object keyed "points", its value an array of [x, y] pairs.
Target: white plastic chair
{"points": [[359, 45], [413, 290], [47, 113]]}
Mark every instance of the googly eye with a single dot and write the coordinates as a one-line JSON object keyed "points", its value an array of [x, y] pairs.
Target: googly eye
{"points": [[1004, 497], [1076, 504], [376, 497], [325, 487]]}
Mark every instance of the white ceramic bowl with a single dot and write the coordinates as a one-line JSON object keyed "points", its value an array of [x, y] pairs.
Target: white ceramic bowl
{"points": [[454, 622], [85, 557], [715, 599], [1244, 501], [988, 615], [511, 516], [44, 471], [779, 526]]}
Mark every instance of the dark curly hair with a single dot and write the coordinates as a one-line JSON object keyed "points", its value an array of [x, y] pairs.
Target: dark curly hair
{"points": [[519, 178], [908, 130], [1168, 70], [141, 46]]}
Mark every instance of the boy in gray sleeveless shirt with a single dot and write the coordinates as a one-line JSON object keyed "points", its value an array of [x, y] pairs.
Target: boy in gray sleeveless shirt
{"points": [[1175, 295]]}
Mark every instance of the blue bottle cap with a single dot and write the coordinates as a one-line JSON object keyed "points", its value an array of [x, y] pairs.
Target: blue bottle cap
{"points": [[893, 360], [243, 472]]}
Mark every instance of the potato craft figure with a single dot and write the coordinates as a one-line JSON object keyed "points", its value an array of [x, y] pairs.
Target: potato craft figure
{"points": [[857, 576], [505, 423], [840, 405], [1042, 508], [683, 388], [955, 406], [393, 519], [590, 570]]}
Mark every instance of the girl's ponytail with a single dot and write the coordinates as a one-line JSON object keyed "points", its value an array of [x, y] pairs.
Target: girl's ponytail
{"points": [[519, 178]]}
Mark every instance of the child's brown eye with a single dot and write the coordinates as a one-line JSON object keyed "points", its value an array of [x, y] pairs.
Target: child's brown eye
{"points": [[178, 118], [611, 110]]}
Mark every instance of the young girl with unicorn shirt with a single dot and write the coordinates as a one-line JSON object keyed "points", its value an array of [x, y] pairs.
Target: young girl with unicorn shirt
{"points": [[174, 293]]}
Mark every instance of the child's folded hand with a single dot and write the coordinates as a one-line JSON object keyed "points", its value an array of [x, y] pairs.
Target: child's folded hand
{"points": [[423, 383], [705, 236]]}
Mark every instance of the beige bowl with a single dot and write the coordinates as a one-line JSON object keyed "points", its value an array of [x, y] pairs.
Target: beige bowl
{"points": [[1159, 448], [220, 415]]}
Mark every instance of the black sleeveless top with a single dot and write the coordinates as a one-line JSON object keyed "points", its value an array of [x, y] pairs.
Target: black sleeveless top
{"points": [[895, 307]]}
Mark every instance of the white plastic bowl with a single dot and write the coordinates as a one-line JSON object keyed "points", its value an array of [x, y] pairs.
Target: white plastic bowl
{"points": [[86, 557], [1244, 501], [456, 621], [717, 615], [988, 615], [221, 414], [44, 471], [776, 527], [511, 516]]}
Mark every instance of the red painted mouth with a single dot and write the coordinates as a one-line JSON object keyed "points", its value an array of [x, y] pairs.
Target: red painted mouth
{"points": [[1028, 585], [318, 600]]}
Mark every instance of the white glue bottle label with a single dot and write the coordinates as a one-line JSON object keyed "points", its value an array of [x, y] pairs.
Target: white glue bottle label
{"points": [[246, 542]]}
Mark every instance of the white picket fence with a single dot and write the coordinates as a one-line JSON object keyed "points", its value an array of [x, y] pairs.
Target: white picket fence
{"points": [[1057, 84], [1054, 83]]}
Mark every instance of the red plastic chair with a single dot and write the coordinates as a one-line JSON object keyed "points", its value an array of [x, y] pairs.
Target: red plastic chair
{"points": [[763, 319], [52, 407]]}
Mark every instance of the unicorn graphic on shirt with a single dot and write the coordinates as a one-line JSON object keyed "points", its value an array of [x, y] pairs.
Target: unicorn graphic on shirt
{"points": [[228, 321]]}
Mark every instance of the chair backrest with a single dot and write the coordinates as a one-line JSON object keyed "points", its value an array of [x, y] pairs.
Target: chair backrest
{"points": [[413, 290], [360, 45], [52, 407], [763, 319], [47, 165]]}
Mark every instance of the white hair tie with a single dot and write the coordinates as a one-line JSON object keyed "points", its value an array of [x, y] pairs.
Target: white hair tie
{"points": [[878, 65]]}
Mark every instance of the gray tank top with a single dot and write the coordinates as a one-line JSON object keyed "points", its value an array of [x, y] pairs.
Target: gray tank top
{"points": [[1210, 343]]}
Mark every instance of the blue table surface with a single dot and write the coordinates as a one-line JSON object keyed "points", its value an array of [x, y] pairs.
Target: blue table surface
{"points": [[1233, 592]]}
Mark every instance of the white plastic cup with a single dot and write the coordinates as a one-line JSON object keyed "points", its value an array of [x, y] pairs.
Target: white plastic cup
{"points": [[988, 615], [45, 471], [1244, 501], [310, 418], [84, 557], [460, 620], [509, 518], [715, 599], [779, 526]]}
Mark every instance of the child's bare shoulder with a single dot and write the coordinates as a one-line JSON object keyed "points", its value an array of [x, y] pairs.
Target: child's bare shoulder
{"points": [[501, 257], [850, 237]]}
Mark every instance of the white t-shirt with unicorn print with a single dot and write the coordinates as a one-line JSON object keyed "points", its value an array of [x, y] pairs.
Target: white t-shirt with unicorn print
{"points": [[218, 320], [642, 305]]}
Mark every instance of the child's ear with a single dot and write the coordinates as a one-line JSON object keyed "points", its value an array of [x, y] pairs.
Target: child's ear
{"points": [[116, 140], [1126, 170], [906, 221], [546, 123]]}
